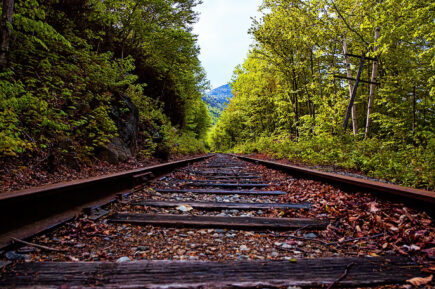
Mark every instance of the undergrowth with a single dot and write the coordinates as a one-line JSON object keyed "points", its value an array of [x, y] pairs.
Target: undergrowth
{"points": [[403, 164]]}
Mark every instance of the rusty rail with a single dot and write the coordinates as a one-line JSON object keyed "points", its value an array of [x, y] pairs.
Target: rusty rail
{"points": [[416, 196], [31, 211]]}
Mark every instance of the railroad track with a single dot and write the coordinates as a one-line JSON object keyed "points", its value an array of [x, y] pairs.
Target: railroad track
{"points": [[219, 222]]}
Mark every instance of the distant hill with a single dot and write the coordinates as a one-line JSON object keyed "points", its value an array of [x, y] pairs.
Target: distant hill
{"points": [[216, 100]]}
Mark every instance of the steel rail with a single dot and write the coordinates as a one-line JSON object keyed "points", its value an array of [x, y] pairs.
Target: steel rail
{"points": [[32, 211], [417, 196]]}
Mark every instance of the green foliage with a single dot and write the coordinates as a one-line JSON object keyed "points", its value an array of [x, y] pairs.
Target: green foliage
{"points": [[186, 143], [71, 65], [405, 164], [287, 102]]}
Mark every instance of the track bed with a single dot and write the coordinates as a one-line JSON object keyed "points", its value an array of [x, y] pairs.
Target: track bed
{"points": [[224, 222]]}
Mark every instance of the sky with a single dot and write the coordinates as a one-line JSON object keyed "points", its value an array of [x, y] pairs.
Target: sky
{"points": [[223, 37]]}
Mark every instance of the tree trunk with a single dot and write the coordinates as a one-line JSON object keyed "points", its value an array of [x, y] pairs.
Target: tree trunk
{"points": [[413, 111], [349, 75], [5, 32], [353, 94], [372, 86]]}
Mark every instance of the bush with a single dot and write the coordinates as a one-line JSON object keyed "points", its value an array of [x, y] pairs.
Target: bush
{"points": [[399, 163]]}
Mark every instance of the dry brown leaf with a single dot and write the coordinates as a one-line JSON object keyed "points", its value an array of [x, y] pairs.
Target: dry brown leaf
{"points": [[373, 208], [417, 281], [351, 219], [378, 219]]}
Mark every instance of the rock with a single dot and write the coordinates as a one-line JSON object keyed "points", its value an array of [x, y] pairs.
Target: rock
{"points": [[14, 256], [124, 146], [310, 236], [184, 208], [244, 248], [123, 259]]}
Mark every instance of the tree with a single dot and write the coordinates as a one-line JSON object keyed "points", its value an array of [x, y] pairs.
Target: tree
{"points": [[5, 31]]}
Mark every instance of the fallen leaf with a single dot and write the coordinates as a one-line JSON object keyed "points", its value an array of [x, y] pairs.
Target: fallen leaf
{"points": [[378, 219], [429, 270], [373, 208], [72, 258], [417, 281], [430, 252], [394, 229]]}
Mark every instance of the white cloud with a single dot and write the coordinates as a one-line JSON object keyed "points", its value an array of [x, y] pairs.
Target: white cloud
{"points": [[223, 36]]}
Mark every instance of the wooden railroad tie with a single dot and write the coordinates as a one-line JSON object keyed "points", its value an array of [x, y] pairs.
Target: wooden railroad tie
{"points": [[226, 185], [247, 223], [223, 206], [319, 272], [226, 174], [233, 177], [220, 192], [218, 181]]}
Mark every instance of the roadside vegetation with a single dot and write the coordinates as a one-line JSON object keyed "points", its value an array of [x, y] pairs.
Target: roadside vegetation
{"points": [[80, 78], [292, 92]]}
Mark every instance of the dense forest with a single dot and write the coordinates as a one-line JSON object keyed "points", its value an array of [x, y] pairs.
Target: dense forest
{"points": [[333, 82], [292, 94], [110, 79]]}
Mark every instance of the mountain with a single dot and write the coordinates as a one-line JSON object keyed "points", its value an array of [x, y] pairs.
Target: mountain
{"points": [[216, 100]]}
